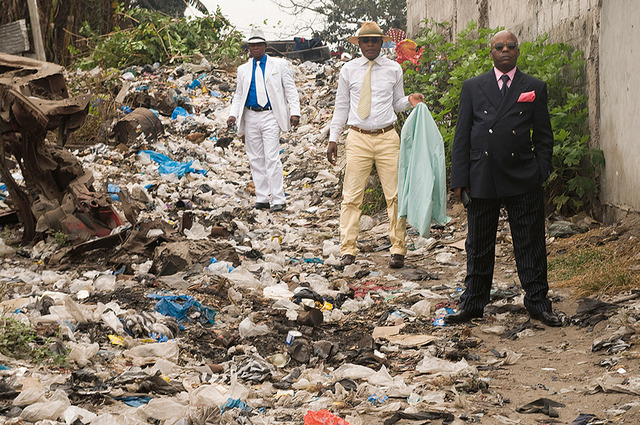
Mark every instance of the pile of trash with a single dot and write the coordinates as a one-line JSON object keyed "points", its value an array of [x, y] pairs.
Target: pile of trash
{"points": [[200, 309]]}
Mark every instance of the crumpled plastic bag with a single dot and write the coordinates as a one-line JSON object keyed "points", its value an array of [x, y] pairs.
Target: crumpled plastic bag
{"points": [[81, 352], [323, 417], [48, 410], [248, 329], [178, 306], [5, 250], [437, 367], [167, 166]]}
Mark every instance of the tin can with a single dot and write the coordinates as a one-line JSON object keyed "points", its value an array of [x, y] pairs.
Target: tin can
{"points": [[291, 336]]}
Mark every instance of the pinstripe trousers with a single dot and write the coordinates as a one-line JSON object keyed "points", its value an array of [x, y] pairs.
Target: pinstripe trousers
{"points": [[526, 221]]}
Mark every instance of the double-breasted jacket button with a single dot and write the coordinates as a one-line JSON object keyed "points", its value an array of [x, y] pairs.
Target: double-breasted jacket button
{"points": [[491, 130], [514, 132], [513, 155], [486, 153], [485, 112], [520, 113]]}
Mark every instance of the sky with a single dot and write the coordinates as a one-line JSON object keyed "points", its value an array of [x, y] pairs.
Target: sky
{"points": [[279, 24]]}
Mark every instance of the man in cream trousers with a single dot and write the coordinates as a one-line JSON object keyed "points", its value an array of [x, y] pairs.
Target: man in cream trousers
{"points": [[370, 93], [265, 103]]}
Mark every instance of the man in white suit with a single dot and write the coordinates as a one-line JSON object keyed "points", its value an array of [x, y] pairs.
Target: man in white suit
{"points": [[265, 103]]}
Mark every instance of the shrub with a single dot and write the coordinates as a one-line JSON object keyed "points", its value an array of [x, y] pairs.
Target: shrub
{"points": [[154, 37]]}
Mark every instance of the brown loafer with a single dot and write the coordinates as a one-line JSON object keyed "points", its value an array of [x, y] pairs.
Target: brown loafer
{"points": [[397, 261], [347, 260]]}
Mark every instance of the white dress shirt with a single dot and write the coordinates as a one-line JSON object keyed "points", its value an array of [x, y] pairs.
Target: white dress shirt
{"points": [[387, 95]]}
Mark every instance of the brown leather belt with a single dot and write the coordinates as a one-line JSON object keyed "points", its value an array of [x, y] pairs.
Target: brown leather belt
{"points": [[379, 131]]}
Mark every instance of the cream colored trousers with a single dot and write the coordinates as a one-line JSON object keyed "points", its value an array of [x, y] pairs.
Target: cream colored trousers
{"points": [[362, 151]]}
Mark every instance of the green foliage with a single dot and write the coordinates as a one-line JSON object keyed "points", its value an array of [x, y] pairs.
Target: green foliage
{"points": [[444, 66], [344, 17], [22, 342], [62, 239], [154, 37], [170, 7]]}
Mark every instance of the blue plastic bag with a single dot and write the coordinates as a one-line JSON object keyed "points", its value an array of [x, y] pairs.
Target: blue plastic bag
{"points": [[167, 166], [179, 112], [178, 306]]}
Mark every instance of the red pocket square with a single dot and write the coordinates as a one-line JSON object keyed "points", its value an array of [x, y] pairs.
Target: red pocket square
{"points": [[529, 96]]}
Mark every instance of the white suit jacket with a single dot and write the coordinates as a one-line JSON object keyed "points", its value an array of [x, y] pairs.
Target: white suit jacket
{"points": [[281, 89]]}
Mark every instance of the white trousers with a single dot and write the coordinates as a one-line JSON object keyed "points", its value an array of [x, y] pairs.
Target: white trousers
{"points": [[262, 143]]}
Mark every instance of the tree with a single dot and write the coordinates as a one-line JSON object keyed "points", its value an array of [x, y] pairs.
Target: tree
{"points": [[343, 17], [173, 8]]}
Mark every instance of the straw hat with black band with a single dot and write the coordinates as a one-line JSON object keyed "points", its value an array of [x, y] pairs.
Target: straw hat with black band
{"points": [[369, 29]]}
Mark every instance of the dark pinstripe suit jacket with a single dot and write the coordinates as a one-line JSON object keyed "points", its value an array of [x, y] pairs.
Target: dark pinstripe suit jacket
{"points": [[502, 147]]}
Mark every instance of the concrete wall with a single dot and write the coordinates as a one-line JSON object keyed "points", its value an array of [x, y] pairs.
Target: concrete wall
{"points": [[585, 25], [619, 106]]}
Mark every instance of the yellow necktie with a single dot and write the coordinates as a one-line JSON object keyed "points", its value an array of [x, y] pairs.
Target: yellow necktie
{"points": [[364, 105]]}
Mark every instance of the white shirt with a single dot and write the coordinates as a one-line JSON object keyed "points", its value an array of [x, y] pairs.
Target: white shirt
{"points": [[387, 95]]}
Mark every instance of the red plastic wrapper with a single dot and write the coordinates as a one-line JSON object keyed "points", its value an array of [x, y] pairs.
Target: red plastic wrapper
{"points": [[407, 50], [323, 417]]}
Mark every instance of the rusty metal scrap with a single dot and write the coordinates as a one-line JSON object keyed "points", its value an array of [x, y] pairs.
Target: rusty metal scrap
{"points": [[56, 193]]}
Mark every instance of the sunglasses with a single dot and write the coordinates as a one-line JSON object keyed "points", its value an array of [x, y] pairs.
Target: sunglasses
{"points": [[373, 40], [510, 45]]}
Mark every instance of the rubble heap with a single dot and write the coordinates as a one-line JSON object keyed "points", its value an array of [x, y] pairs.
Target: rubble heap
{"points": [[199, 309]]}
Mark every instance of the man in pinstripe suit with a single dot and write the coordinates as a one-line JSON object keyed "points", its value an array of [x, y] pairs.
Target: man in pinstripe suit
{"points": [[501, 156]]}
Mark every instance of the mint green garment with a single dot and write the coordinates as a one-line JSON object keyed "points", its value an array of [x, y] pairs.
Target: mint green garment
{"points": [[421, 172]]}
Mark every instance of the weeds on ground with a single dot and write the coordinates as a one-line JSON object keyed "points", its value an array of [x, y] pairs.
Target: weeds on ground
{"points": [[592, 270], [374, 200], [62, 239], [20, 341], [103, 86]]}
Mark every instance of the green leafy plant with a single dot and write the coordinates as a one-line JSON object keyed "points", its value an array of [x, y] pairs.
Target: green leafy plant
{"points": [[62, 239], [22, 342], [151, 37], [444, 66]]}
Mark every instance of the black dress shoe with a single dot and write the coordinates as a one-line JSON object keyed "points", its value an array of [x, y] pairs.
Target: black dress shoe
{"points": [[277, 208], [549, 318], [261, 206], [397, 261], [461, 316], [347, 260]]}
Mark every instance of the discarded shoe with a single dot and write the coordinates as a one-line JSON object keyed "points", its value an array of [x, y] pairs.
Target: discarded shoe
{"points": [[347, 260], [397, 261], [461, 316], [549, 318], [261, 206], [277, 208]]}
